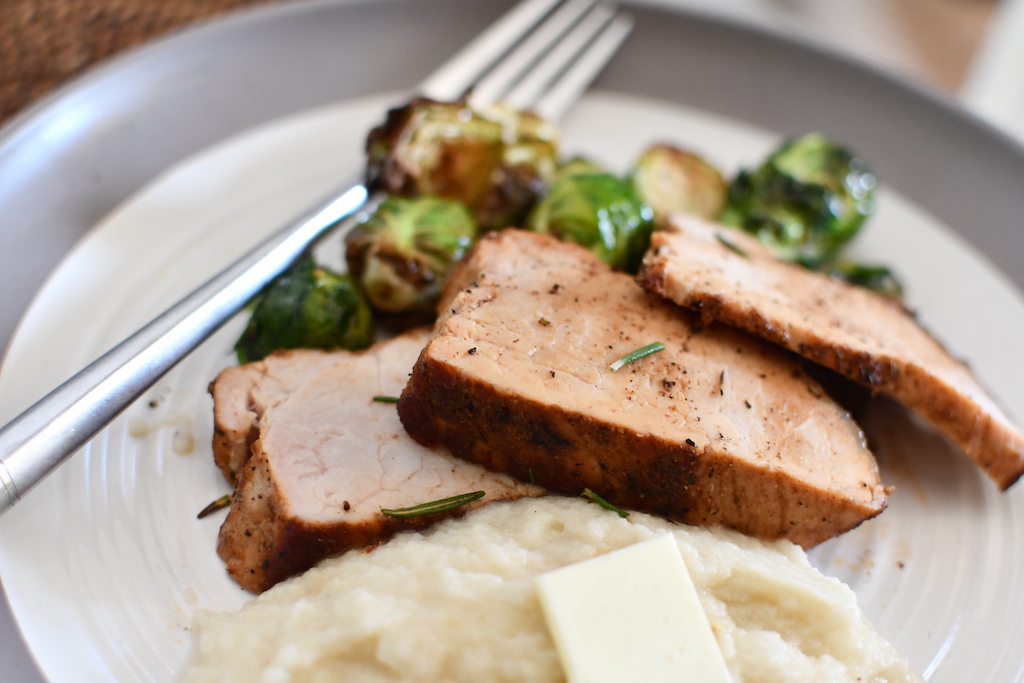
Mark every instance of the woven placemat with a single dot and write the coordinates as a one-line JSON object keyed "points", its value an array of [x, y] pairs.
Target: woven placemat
{"points": [[43, 43]]}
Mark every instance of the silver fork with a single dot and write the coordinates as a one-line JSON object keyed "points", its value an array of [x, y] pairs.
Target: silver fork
{"points": [[541, 54]]}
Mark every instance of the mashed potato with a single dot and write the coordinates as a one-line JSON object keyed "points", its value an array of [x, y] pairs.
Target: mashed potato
{"points": [[458, 603]]}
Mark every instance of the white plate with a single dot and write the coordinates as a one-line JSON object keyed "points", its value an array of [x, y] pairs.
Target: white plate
{"points": [[105, 563]]}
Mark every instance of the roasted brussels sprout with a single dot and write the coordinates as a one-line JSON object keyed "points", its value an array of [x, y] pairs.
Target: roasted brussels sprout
{"points": [[496, 163], [600, 212], [307, 307], [805, 201], [402, 253], [671, 180], [527, 168], [435, 148], [578, 166]]}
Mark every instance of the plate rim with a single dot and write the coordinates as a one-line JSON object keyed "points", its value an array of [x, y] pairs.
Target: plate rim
{"points": [[20, 126]]}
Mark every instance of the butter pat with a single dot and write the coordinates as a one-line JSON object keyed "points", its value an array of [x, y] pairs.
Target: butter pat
{"points": [[631, 615]]}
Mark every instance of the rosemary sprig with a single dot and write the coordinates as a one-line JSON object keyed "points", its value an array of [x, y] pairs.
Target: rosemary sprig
{"points": [[385, 399], [430, 508], [219, 504], [637, 355], [730, 246], [587, 493]]}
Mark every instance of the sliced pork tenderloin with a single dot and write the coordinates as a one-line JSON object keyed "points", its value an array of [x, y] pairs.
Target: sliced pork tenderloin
{"points": [[241, 394], [329, 458], [728, 276], [718, 428]]}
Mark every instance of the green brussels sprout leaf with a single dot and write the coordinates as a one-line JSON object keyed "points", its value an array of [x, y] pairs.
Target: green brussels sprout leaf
{"points": [[876, 278], [805, 202], [600, 212], [671, 180], [578, 166], [307, 307]]}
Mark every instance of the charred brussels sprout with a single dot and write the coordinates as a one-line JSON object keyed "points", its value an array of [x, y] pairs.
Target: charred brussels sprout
{"points": [[307, 307], [435, 148], [527, 168], [402, 253], [496, 163], [671, 180], [600, 212], [805, 202]]}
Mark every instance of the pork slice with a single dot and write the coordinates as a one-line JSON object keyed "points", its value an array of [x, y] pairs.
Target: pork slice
{"points": [[865, 336], [718, 428], [328, 458], [241, 395]]}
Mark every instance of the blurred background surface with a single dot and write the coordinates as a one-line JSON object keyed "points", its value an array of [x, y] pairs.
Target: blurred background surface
{"points": [[43, 43]]}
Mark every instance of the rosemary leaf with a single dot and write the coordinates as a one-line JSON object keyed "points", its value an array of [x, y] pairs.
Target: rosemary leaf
{"points": [[219, 504], [730, 246], [587, 493], [430, 508], [637, 355], [385, 399]]}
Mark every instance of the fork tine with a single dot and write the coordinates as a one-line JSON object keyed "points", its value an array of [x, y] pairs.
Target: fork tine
{"points": [[575, 80], [490, 87], [527, 92], [453, 78]]}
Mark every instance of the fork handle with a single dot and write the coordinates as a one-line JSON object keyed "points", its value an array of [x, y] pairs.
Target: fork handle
{"points": [[36, 442]]}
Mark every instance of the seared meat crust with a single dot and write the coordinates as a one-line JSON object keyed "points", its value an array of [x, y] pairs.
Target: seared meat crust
{"points": [[719, 428], [863, 335]]}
